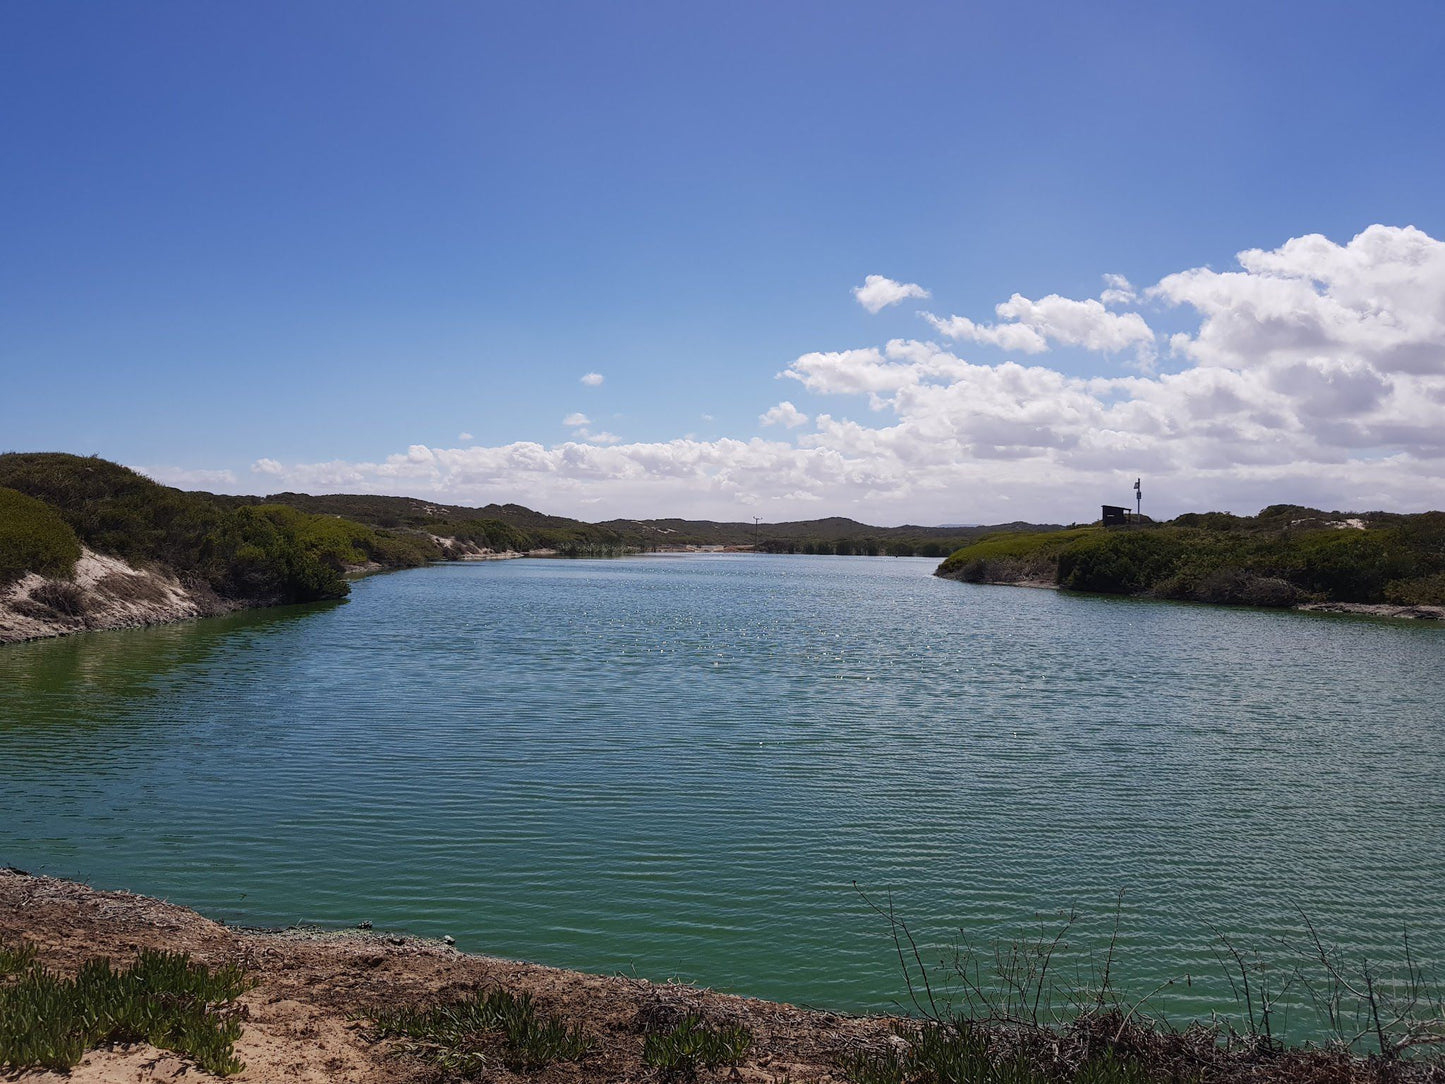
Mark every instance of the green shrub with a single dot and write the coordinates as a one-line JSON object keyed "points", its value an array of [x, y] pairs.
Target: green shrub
{"points": [[458, 1035], [235, 551], [1012, 556], [1119, 562], [1422, 591], [49, 1022], [680, 1051], [34, 538]]}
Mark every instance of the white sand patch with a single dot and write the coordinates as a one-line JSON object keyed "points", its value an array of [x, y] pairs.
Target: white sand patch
{"points": [[103, 593]]}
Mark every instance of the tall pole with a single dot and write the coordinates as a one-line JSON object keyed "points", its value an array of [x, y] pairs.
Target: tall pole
{"points": [[756, 520]]}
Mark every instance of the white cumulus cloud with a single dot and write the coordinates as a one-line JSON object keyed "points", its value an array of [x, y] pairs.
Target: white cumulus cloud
{"points": [[784, 414], [592, 380], [1118, 290], [1032, 325], [1313, 372], [878, 292], [576, 418]]}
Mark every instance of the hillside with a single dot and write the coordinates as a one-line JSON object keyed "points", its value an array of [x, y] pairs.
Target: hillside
{"points": [[516, 527], [85, 543], [1287, 555], [835, 535]]}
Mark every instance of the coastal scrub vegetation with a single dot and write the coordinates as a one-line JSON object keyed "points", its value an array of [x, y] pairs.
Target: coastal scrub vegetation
{"points": [[233, 548], [34, 538], [691, 1044], [49, 1022], [1286, 555], [464, 1036], [237, 553]]}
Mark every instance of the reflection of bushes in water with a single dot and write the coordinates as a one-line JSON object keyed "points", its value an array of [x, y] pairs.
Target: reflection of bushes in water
{"points": [[90, 678], [1042, 984]]}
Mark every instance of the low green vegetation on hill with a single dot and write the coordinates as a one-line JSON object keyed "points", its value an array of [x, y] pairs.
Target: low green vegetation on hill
{"points": [[1286, 555], [833, 535], [497, 527], [240, 552], [33, 538]]}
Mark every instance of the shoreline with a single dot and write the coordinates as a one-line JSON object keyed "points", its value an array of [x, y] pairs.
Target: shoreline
{"points": [[313, 996], [115, 595], [1352, 609], [305, 1015]]}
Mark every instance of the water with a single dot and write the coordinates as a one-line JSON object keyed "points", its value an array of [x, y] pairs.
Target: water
{"points": [[681, 766]]}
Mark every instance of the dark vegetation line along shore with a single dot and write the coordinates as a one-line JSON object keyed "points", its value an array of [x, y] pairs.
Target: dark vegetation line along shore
{"points": [[86, 543], [1287, 555]]}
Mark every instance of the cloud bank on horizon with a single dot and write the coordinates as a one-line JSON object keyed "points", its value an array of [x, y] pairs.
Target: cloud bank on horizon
{"points": [[1312, 373]]}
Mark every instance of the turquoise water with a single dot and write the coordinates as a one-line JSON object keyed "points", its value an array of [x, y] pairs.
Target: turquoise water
{"points": [[680, 766]]}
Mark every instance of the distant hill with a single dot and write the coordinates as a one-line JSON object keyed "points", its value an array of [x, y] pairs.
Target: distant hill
{"points": [[513, 526], [87, 543]]}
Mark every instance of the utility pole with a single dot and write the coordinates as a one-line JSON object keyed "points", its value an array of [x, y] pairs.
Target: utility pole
{"points": [[756, 520], [1138, 500]]}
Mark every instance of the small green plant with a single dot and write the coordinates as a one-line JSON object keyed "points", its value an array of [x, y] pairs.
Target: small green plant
{"points": [[49, 1022], [16, 959], [457, 1035], [693, 1044]]}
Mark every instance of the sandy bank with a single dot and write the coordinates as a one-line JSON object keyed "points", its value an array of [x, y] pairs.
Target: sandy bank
{"points": [[103, 593]]}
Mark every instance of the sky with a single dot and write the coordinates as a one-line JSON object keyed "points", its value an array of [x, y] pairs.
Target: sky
{"points": [[927, 263]]}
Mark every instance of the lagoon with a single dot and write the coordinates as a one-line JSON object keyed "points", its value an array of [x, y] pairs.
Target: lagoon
{"points": [[683, 766]]}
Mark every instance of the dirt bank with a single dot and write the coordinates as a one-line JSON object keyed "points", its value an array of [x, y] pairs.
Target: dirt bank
{"points": [[103, 593], [305, 1016]]}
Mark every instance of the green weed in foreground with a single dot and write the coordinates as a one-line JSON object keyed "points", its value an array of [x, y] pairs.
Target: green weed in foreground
{"points": [[457, 1035], [49, 1022], [692, 1044], [958, 1053]]}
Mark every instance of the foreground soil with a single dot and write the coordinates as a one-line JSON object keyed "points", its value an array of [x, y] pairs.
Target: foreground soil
{"points": [[307, 1017]]}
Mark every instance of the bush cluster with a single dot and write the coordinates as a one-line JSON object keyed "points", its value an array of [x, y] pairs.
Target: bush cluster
{"points": [[33, 538], [1285, 555]]}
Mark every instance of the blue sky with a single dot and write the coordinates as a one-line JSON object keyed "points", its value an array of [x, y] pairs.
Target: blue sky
{"points": [[309, 245]]}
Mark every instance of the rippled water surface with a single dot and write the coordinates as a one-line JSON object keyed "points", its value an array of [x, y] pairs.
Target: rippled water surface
{"points": [[680, 766]]}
